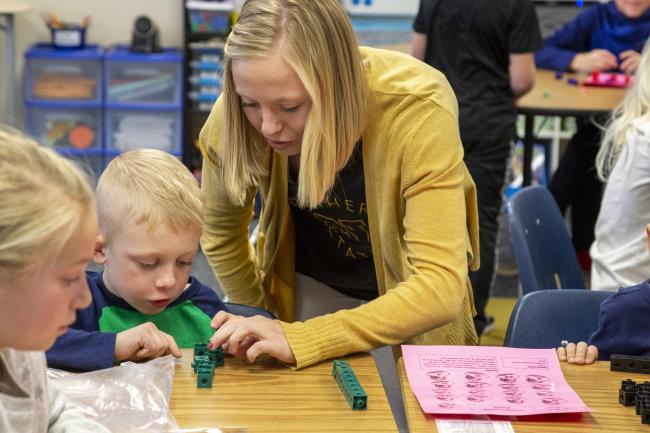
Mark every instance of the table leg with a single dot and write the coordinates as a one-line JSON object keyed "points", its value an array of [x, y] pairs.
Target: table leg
{"points": [[11, 69], [528, 149]]}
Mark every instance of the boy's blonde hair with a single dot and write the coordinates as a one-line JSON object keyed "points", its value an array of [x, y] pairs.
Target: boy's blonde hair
{"points": [[150, 187], [635, 106], [317, 41], [44, 199]]}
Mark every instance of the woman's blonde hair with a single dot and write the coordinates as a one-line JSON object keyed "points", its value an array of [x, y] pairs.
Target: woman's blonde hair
{"points": [[317, 41], [635, 105], [150, 187], [44, 199]]}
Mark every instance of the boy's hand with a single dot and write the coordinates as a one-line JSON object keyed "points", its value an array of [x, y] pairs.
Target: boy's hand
{"points": [[578, 353], [594, 60], [145, 341], [250, 336], [629, 61]]}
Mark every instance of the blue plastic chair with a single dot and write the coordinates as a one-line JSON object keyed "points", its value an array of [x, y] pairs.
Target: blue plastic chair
{"points": [[248, 311], [543, 249], [542, 319]]}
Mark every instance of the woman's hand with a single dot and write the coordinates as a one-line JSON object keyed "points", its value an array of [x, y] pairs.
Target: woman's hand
{"points": [[250, 336], [577, 353]]}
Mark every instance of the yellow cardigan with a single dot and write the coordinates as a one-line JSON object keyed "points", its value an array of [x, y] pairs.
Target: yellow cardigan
{"points": [[422, 218]]}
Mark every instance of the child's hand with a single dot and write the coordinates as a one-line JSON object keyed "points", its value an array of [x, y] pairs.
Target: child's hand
{"points": [[629, 61], [250, 336], [578, 353], [594, 60], [145, 341]]}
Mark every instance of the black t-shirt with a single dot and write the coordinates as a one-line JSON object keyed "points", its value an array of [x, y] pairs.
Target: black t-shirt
{"points": [[333, 240], [470, 42]]}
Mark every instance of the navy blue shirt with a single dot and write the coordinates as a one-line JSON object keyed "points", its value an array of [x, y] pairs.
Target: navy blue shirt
{"points": [[601, 26], [624, 323], [89, 344]]}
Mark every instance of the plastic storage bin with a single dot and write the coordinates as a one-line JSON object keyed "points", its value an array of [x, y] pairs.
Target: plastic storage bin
{"points": [[154, 79], [71, 37], [209, 16], [128, 129], [71, 75], [75, 129]]}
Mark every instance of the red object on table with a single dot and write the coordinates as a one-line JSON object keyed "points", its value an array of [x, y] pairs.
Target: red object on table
{"points": [[608, 79]]}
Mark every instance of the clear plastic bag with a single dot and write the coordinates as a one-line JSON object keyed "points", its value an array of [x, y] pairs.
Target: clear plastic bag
{"points": [[126, 399]]}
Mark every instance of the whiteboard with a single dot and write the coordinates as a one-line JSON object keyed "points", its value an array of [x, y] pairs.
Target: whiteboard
{"points": [[382, 7]]}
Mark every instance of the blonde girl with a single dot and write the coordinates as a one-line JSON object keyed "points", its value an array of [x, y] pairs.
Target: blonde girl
{"points": [[618, 254], [47, 232]]}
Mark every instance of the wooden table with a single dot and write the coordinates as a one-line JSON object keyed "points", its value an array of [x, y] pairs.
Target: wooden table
{"points": [[595, 384], [270, 397], [555, 97]]}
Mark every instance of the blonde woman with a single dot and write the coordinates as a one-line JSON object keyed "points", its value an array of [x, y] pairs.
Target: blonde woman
{"points": [[366, 203], [47, 233], [621, 252]]}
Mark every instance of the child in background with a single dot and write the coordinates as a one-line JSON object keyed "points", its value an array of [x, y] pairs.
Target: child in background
{"points": [[47, 231], [145, 304], [603, 37], [624, 158]]}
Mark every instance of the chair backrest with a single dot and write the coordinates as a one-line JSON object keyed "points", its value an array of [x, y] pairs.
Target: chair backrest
{"points": [[542, 319], [248, 311], [543, 249]]}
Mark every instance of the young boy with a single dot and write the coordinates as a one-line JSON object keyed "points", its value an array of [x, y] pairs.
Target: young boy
{"points": [[603, 37], [145, 304], [622, 327]]}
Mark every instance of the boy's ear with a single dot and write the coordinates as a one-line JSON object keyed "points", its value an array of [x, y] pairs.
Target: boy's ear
{"points": [[647, 233], [98, 254]]}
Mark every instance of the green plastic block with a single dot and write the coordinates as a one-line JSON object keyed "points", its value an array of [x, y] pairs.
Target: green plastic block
{"points": [[216, 355], [203, 365], [201, 349], [349, 385], [218, 361], [200, 360], [204, 379]]}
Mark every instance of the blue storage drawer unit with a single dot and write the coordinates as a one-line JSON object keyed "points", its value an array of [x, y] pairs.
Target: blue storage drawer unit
{"points": [[128, 129], [63, 75], [151, 79], [75, 128]]}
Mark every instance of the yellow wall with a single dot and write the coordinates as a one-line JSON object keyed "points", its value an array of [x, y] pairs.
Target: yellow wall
{"points": [[112, 21]]}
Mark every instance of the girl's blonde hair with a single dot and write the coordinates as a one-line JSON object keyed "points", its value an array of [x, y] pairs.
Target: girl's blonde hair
{"points": [[316, 39], [635, 105], [44, 199], [150, 187]]}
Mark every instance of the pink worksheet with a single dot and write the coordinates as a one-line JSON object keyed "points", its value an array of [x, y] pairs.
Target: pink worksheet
{"points": [[483, 380]]}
